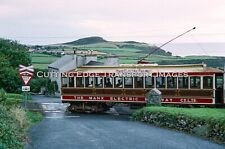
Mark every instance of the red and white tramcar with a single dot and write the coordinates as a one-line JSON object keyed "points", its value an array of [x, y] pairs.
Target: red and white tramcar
{"points": [[96, 88]]}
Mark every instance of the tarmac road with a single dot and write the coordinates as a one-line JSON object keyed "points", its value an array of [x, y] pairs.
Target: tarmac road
{"points": [[60, 130]]}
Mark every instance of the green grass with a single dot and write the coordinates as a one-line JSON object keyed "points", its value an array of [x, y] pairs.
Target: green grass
{"points": [[41, 66], [128, 55], [43, 58], [16, 99], [15, 121], [14, 96], [39, 55], [34, 117], [41, 61]]}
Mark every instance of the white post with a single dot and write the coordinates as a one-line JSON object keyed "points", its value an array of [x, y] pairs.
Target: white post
{"points": [[155, 81], [214, 88], [67, 81], [75, 83], [201, 82], [113, 82], [144, 82], [166, 82], [189, 82], [84, 82]]}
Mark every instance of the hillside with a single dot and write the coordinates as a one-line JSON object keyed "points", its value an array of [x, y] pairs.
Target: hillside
{"points": [[129, 52], [98, 43], [88, 40]]}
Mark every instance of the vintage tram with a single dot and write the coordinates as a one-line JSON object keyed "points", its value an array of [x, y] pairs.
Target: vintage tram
{"points": [[96, 88]]}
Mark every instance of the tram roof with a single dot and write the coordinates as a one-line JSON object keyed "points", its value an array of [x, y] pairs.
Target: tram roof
{"points": [[152, 67]]}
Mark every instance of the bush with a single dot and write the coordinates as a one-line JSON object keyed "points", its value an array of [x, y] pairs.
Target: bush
{"points": [[2, 96], [205, 122], [20, 116], [14, 121], [11, 132]]}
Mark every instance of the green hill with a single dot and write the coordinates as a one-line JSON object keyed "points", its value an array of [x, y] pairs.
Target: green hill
{"points": [[129, 52], [88, 40], [113, 47]]}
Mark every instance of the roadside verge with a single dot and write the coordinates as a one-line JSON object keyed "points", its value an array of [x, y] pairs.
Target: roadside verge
{"points": [[204, 122]]}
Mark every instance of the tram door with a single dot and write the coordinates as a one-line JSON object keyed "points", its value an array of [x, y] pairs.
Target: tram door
{"points": [[219, 88]]}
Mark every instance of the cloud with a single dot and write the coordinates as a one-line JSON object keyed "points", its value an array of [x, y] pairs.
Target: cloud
{"points": [[143, 20]]}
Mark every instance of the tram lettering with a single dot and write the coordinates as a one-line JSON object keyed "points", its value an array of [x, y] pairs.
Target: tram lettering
{"points": [[168, 75], [167, 100], [123, 98], [79, 74], [111, 75], [184, 100], [95, 98], [78, 97], [185, 74]]}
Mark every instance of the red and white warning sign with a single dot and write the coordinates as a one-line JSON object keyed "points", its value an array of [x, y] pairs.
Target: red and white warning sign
{"points": [[26, 73]]}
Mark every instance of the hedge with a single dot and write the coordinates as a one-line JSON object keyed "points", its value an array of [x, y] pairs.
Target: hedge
{"points": [[11, 133], [205, 122]]}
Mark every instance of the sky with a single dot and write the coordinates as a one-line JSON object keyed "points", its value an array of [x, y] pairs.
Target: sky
{"points": [[152, 21]]}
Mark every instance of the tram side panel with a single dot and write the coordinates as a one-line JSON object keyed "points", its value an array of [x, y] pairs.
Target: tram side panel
{"points": [[103, 95], [188, 96], [201, 95], [169, 96]]}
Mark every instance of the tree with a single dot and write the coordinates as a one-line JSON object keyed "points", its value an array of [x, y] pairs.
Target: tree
{"points": [[12, 54]]}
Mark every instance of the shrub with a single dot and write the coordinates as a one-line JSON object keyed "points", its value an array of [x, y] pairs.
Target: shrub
{"points": [[11, 134], [2, 95], [20, 116], [205, 122]]}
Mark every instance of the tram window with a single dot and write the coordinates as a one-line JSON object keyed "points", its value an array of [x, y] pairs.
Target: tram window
{"points": [[108, 82], [79, 82], [207, 82], [219, 82], [149, 82], [71, 82], [99, 82], [183, 82], [118, 82], [160, 82], [171, 82], [64, 82], [89, 82], [138, 82], [195, 82], [128, 82]]}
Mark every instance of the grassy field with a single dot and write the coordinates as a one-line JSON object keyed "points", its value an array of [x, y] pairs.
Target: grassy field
{"points": [[128, 55], [41, 61]]}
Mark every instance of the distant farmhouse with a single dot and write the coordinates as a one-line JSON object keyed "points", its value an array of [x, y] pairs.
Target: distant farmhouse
{"points": [[73, 59]]}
